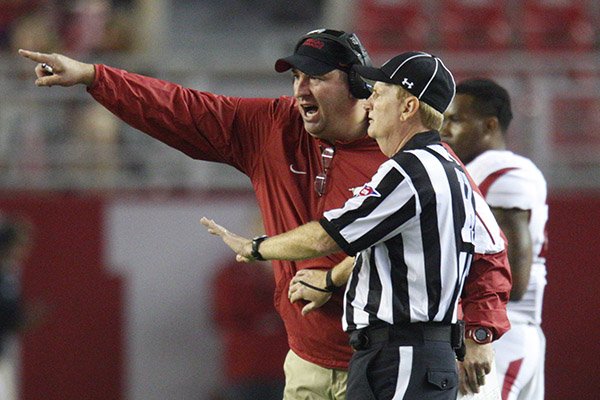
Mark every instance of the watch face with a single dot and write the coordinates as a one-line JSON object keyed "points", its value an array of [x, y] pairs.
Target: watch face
{"points": [[481, 334]]}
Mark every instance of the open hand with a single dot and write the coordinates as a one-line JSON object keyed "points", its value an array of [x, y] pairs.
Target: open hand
{"points": [[241, 245]]}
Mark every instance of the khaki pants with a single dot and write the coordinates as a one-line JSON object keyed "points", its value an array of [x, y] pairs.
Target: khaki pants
{"points": [[307, 381]]}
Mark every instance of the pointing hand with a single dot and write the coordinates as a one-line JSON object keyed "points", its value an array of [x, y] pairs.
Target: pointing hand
{"points": [[65, 70]]}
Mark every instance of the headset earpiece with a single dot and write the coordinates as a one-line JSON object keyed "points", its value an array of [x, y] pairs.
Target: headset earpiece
{"points": [[358, 87]]}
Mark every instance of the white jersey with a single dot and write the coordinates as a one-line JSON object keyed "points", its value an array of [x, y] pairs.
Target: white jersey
{"points": [[508, 180]]}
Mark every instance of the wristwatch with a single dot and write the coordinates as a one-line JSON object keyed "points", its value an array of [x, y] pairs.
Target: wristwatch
{"points": [[480, 335], [255, 245]]}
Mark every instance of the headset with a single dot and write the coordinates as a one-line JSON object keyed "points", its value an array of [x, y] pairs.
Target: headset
{"points": [[358, 87]]}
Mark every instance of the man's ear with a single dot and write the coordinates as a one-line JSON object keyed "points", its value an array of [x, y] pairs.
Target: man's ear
{"points": [[492, 124], [410, 106]]}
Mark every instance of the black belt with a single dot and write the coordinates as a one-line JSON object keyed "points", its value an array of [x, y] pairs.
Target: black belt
{"points": [[407, 334]]}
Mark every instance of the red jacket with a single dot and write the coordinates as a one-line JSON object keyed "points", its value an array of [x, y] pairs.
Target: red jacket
{"points": [[265, 139]]}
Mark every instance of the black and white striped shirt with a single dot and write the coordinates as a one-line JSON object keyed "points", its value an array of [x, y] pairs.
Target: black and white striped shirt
{"points": [[412, 230]]}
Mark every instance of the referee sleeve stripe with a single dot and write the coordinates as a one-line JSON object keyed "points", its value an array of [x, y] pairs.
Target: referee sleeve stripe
{"points": [[332, 230], [385, 187], [359, 222], [387, 227]]}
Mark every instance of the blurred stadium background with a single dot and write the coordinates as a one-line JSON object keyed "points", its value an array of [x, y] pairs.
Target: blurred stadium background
{"points": [[119, 253]]}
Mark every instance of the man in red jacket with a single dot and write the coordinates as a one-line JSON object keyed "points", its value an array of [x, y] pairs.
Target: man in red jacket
{"points": [[303, 154]]}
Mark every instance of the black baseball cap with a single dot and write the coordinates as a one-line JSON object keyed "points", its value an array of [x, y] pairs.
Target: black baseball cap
{"points": [[423, 75], [319, 52]]}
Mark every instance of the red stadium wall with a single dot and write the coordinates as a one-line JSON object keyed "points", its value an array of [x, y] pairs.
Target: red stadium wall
{"points": [[572, 301], [78, 354]]}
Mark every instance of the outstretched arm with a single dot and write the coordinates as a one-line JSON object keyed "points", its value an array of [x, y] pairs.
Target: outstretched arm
{"points": [[304, 242], [65, 70]]}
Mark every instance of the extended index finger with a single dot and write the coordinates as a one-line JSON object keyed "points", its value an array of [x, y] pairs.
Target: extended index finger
{"points": [[36, 56]]}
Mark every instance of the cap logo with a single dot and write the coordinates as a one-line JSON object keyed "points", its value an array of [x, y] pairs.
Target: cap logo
{"points": [[408, 84], [317, 44]]}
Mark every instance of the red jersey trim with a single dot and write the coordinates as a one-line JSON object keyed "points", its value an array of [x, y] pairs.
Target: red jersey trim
{"points": [[484, 187]]}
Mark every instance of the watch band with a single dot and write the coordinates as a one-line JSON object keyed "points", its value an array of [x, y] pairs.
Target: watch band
{"points": [[255, 245], [329, 285]]}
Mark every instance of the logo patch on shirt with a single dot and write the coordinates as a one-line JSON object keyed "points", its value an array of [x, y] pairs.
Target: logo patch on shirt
{"points": [[365, 191]]}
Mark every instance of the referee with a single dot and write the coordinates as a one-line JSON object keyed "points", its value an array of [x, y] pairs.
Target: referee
{"points": [[411, 229]]}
